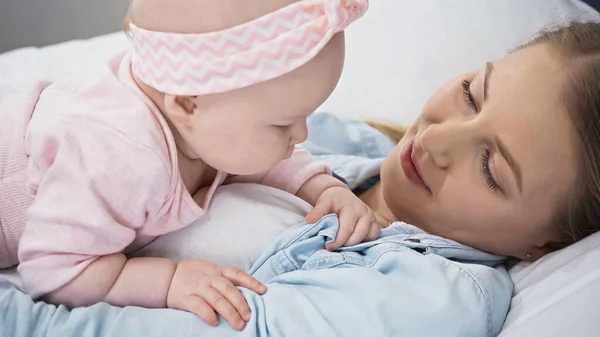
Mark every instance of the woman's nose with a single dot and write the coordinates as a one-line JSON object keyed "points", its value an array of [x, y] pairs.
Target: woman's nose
{"points": [[445, 141]]}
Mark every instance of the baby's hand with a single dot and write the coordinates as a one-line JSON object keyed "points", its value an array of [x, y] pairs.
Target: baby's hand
{"points": [[357, 221], [206, 289]]}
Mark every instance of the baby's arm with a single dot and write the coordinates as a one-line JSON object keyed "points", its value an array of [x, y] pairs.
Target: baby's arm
{"points": [[197, 286], [314, 187], [289, 175], [113, 279]]}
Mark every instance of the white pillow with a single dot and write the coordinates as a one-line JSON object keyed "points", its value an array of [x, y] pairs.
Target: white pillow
{"points": [[401, 51], [557, 295]]}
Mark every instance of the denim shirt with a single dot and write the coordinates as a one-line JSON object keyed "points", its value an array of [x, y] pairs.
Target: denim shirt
{"points": [[353, 150], [406, 283]]}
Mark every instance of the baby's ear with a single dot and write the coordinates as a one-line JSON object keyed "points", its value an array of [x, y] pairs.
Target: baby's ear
{"points": [[180, 109]]}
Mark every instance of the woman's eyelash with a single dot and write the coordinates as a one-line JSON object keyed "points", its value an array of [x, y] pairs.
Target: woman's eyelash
{"points": [[487, 173], [466, 86]]}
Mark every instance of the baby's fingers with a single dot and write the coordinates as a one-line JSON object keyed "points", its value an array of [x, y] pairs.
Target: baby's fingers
{"points": [[233, 295], [320, 210], [360, 231], [219, 302], [374, 231], [197, 305], [243, 279], [347, 222]]}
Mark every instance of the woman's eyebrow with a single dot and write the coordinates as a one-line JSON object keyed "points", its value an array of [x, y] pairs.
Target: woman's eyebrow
{"points": [[512, 163], [489, 67]]}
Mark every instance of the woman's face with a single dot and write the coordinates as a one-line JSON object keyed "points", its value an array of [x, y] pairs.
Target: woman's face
{"points": [[490, 157]]}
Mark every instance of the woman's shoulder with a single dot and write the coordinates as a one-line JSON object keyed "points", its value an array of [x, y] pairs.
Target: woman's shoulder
{"points": [[330, 134], [351, 148]]}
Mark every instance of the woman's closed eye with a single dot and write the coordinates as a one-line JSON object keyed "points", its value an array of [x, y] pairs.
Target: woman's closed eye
{"points": [[468, 95], [488, 175], [486, 165]]}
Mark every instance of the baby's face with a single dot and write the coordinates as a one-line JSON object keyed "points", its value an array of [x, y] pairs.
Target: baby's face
{"points": [[250, 130]]}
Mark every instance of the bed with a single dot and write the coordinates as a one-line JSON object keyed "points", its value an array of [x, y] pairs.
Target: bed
{"points": [[396, 57]]}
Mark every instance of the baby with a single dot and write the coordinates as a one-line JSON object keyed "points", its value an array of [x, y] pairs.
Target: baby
{"points": [[214, 92]]}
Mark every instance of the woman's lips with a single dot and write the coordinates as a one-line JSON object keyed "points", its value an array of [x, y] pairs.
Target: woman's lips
{"points": [[410, 165]]}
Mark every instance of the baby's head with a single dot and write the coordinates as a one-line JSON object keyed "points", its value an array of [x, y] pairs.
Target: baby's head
{"points": [[243, 105]]}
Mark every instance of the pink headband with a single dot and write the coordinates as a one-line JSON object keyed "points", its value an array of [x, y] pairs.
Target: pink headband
{"points": [[253, 52]]}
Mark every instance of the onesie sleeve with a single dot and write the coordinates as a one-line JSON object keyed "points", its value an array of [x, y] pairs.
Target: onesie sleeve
{"points": [[289, 175]]}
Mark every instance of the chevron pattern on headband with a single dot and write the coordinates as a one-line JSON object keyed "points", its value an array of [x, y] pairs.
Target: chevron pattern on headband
{"points": [[250, 53]]}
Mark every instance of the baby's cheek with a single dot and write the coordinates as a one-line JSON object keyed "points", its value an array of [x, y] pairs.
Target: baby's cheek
{"points": [[276, 149], [258, 146]]}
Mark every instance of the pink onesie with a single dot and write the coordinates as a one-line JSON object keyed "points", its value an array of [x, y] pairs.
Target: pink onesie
{"points": [[101, 164]]}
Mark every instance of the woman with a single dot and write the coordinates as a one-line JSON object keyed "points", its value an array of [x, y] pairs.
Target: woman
{"points": [[502, 160], [505, 158]]}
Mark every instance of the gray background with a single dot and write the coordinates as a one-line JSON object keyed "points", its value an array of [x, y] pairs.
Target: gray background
{"points": [[41, 22]]}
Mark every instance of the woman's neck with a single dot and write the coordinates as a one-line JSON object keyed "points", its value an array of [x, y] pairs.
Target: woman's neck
{"points": [[375, 200]]}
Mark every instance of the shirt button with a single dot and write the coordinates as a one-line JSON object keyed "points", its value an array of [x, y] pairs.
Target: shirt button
{"points": [[413, 240]]}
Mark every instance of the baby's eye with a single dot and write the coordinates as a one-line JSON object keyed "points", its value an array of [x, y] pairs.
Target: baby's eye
{"points": [[282, 127]]}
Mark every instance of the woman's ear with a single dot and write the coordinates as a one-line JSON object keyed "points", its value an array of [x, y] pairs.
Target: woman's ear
{"points": [[180, 109], [538, 252]]}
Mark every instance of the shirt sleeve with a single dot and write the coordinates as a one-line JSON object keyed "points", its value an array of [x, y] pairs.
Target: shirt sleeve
{"points": [[93, 188], [289, 175]]}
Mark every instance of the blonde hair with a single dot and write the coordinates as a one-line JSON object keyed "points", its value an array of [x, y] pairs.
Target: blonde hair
{"points": [[579, 45], [393, 131]]}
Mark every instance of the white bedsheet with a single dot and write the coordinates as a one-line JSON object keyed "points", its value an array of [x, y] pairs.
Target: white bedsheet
{"points": [[58, 61]]}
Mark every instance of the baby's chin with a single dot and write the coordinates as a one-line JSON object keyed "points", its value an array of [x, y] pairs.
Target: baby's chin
{"points": [[248, 169]]}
